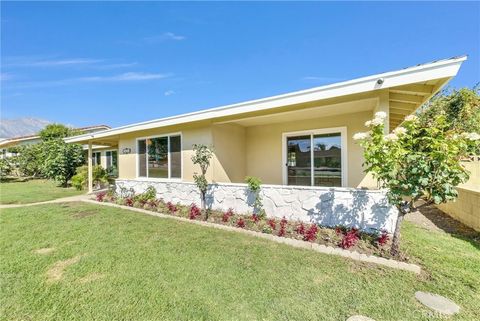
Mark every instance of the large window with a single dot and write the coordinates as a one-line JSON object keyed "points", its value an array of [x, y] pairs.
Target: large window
{"points": [[160, 157], [315, 158], [112, 158], [96, 157]]}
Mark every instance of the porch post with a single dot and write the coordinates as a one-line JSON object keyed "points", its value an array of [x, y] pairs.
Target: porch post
{"points": [[90, 170], [384, 105]]}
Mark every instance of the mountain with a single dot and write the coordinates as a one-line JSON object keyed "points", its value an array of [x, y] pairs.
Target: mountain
{"points": [[21, 126]]}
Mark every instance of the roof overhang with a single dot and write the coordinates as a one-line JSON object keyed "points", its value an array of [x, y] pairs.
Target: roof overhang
{"points": [[414, 83]]}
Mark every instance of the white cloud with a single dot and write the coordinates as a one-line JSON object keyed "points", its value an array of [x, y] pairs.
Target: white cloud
{"points": [[28, 62], [128, 76], [164, 37], [124, 77], [169, 93]]}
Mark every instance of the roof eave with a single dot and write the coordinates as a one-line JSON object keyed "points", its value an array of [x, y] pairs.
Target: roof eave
{"points": [[436, 70]]}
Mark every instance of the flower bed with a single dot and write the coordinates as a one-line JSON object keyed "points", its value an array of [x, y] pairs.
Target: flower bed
{"points": [[345, 238]]}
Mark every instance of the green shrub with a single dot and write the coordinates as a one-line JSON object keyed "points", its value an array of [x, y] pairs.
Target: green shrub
{"points": [[80, 180], [254, 185]]}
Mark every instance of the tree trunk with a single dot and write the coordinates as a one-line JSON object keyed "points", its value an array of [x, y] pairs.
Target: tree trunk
{"points": [[203, 197], [395, 249]]}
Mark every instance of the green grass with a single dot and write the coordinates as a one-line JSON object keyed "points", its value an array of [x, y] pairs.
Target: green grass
{"points": [[160, 269], [32, 191]]}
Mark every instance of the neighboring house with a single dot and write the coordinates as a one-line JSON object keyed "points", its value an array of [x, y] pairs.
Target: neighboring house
{"points": [[299, 144], [103, 155]]}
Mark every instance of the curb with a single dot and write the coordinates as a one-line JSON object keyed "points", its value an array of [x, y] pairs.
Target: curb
{"points": [[292, 242]]}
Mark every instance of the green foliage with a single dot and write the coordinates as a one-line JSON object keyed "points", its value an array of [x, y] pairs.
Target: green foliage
{"points": [[415, 162], [30, 160], [461, 108], [202, 156], [6, 167], [254, 185], [80, 179], [56, 131], [61, 160], [149, 195]]}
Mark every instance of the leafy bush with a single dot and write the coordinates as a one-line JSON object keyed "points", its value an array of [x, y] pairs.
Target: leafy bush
{"points": [[417, 161], [101, 196], [254, 185], [80, 179], [227, 215], [349, 239], [310, 234], [194, 212], [172, 208], [272, 223], [241, 223], [61, 160], [6, 167], [383, 238]]}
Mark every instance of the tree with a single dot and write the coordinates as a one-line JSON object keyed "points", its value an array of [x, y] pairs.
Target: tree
{"points": [[30, 160], [202, 157], [416, 162], [61, 160], [56, 131], [461, 108]]}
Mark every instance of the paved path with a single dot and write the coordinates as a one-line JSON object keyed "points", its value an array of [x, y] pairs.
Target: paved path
{"points": [[76, 198]]}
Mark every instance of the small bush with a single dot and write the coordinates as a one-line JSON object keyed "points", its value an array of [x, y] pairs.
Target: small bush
{"points": [[194, 212], [272, 223], [350, 238], [227, 215], [129, 201], [310, 234], [241, 223], [383, 238], [255, 218], [100, 196], [80, 179], [300, 229], [172, 208]]}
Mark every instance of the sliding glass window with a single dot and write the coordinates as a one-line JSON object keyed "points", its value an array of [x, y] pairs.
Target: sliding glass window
{"points": [[314, 159], [160, 157]]}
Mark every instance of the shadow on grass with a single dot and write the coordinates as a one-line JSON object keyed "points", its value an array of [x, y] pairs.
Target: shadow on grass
{"points": [[449, 225]]}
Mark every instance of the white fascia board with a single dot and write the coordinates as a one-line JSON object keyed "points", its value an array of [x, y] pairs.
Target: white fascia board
{"points": [[436, 70]]}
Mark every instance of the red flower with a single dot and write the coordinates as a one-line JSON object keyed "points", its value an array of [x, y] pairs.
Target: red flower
{"points": [[172, 207], [241, 223], [129, 201], [101, 196], [300, 229], [281, 232], [226, 216], [349, 239], [271, 222], [194, 211], [255, 218], [383, 238], [311, 233]]}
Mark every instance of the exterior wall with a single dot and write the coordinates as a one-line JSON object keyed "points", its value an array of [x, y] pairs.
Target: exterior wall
{"points": [[190, 135], [466, 208], [264, 147], [229, 148], [367, 210]]}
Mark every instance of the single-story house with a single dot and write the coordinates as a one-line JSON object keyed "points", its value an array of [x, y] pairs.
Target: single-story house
{"points": [[299, 144], [7, 145]]}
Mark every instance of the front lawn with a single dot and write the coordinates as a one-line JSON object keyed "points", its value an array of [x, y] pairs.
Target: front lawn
{"points": [[81, 261], [32, 191]]}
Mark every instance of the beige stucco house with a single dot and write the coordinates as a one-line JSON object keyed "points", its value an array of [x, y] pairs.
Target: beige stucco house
{"points": [[299, 144]]}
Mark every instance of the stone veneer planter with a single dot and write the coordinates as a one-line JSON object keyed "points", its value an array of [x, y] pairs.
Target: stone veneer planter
{"points": [[364, 209], [292, 242]]}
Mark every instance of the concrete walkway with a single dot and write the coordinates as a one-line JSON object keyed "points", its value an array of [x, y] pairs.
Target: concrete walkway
{"points": [[76, 198]]}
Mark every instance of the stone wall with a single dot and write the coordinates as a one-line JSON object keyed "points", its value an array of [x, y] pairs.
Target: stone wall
{"points": [[364, 209]]}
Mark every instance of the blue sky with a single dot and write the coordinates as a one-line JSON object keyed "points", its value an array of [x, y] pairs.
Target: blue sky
{"points": [[118, 63]]}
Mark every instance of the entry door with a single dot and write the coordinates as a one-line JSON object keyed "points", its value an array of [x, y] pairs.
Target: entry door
{"points": [[315, 158]]}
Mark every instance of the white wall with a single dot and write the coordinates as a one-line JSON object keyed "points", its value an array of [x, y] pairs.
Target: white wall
{"points": [[364, 209]]}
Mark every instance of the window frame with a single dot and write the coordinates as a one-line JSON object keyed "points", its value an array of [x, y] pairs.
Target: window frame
{"points": [[158, 179], [312, 133], [111, 157], [94, 157]]}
